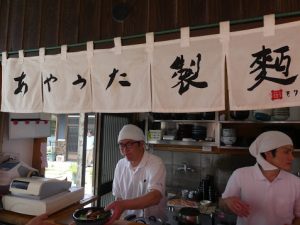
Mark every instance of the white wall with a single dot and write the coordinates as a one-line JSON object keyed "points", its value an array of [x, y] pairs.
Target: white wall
{"points": [[20, 147]]}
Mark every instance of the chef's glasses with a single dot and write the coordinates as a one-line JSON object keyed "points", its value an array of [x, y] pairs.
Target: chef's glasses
{"points": [[128, 145]]}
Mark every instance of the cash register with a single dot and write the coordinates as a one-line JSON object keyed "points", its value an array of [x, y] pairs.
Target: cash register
{"points": [[38, 195]]}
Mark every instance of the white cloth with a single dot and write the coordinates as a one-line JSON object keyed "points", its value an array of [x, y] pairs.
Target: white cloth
{"points": [[66, 83], [131, 132], [132, 183], [121, 82], [21, 85], [265, 142], [188, 79], [271, 203], [246, 69]]}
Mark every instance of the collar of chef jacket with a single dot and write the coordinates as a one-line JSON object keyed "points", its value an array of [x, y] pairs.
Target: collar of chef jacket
{"points": [[259, 175]]}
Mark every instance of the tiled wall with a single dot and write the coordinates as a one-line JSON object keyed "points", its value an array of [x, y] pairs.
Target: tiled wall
{"points": [[220, 166]]}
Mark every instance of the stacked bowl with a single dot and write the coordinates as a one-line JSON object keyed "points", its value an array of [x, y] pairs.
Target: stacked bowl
{"points": [[228, 137], [239, 115], [281, 113], [198, 132], [263, 115]]}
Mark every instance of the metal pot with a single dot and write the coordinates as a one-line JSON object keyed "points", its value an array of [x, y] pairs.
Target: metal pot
{"points": [[151, 220], [239, 115], [188, 215]]}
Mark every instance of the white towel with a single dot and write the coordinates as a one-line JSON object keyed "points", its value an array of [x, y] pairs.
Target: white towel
{"points": [[265, 142]]}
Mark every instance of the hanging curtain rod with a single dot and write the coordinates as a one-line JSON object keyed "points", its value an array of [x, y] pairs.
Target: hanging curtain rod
{"points": [[198, 27]]}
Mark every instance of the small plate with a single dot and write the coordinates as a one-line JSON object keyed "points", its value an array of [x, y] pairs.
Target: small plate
{"points": [[205, 202], [188, 139]]}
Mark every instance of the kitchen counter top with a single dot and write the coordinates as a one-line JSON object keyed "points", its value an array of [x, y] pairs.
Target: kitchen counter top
{"points": [[62, 217]]}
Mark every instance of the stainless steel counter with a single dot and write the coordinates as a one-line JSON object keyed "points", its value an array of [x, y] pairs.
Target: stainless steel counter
{"points": [[218, 218]]}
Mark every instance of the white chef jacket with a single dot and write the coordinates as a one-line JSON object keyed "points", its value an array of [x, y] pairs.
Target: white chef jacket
{"points": [[271, 203], [131, 183]]}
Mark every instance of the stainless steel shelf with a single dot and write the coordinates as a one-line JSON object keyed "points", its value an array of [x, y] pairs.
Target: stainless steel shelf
{"points": [[178, 142], [260, 122], [231, 121], [233, 147], [187, 121], [214, 126]]}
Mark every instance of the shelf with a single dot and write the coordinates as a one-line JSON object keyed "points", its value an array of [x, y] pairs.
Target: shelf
{"points": [[232, 150], [186, 121], [184, 148], [247, 131], [198, 149], [231, 121], [233, 147], [260, 122], [178, 142], [214, 149]]}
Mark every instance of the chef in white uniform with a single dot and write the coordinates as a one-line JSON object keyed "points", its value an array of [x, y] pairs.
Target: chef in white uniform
{"points": [[139, 180], [266, 193]]}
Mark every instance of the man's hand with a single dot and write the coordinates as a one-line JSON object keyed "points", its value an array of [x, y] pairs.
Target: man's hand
{"points": [[238, 207], [40, 220], [118, 208]]}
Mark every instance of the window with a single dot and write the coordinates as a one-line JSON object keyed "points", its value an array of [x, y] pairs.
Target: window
{"points": [[65, 151]]}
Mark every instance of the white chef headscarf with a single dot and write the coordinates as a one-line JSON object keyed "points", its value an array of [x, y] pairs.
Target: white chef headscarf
{"points": [[131, 132], [265, 142]]}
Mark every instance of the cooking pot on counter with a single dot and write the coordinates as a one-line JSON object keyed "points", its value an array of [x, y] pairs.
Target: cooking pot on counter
{"points": [[189, 216], [151, 220], [192, 216]]}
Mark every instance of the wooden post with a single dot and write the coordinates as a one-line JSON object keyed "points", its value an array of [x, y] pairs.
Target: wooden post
{"points": [[36, 154]]}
